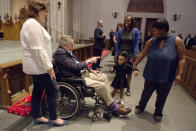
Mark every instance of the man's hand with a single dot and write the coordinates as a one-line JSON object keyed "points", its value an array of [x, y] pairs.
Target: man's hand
{"points": [[93, 59], [52, 74], [103, 34], [96, 72]]}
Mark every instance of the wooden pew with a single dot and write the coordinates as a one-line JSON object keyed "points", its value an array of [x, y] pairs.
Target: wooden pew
{"points": [[189, 75], [83, 52], [13, 80]]}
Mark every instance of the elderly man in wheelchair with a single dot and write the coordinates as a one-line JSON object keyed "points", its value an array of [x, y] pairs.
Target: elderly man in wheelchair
{"points": [[73, 74]]}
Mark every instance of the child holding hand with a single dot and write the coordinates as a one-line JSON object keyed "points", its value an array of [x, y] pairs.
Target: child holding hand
{"points": [[120, 80]]}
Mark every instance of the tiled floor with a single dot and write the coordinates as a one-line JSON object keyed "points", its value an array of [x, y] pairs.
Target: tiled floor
{"points": [[179, 113]]}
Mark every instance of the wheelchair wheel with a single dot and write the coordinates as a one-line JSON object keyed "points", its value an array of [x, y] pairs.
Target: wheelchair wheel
{"points": [[68, 101]]}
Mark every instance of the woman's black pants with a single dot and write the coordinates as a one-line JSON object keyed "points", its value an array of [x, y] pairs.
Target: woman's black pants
{"points": [[97, 52], [43, 82], [162, 90]]}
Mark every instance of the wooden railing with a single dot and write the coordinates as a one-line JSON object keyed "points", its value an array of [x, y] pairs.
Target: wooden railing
{"points": [[13, 80], [77, 36], [189, 76]]}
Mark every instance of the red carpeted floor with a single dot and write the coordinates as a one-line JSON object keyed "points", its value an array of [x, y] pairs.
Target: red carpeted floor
{"points": [[104, 52]]}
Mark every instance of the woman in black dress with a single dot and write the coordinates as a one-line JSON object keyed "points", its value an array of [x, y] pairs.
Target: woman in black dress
{"points": [[122, 70]]}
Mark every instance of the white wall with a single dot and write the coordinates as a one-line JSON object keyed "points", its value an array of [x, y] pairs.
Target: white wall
{"points": [[90, 11], [5, 8], [82, 15], [87, 12], [187, 22], [56, 19]]}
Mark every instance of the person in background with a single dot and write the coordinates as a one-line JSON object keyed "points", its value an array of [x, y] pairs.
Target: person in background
{"points": [[120, 80], [165, 54], [70, 66], [99, 44], [140, 43], [115, 39], [186, 41], [128, 41], [111, 46], [37, 62], [192, 42], [149, 35], [180, 35]]}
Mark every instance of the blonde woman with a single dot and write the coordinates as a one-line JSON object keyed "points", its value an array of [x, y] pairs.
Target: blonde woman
{"points": [[37, 62]]}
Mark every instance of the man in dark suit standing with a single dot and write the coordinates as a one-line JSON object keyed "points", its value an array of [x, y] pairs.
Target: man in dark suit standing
{"points": [[192, 42], [99, 44], [187, 40]]}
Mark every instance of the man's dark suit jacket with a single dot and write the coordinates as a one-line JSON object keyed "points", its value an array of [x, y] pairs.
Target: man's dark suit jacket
{"points": [[185, 40], [192, 41], [99, 38], [67, 64]]}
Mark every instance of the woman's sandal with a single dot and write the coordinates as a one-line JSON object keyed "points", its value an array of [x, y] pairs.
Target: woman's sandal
{"points": [[37, 122], [157, 118], [138, 111], [65, 122]]}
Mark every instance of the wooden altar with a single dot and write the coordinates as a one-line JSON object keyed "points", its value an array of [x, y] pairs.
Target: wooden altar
{"points": [[13, 80], [11, 30]]}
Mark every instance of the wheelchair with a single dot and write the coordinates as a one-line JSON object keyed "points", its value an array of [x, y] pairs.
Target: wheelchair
{"points": [[71, 98]]}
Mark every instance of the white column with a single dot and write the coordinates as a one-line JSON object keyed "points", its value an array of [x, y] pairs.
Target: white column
{"points": [[65, 17], [5, 8]]}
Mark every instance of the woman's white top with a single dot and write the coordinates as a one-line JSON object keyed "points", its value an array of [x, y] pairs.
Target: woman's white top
{"points": [[36, 48]]}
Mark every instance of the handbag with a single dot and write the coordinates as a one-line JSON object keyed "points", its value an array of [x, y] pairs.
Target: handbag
{"points": [[22, 107]]}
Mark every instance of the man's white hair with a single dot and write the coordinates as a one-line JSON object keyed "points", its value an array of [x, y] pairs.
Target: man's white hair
{"points": [[65, 39], [99, 21]]}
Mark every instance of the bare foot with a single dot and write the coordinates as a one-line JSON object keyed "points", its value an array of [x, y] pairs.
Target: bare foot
{"points": [[43, 119]]}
